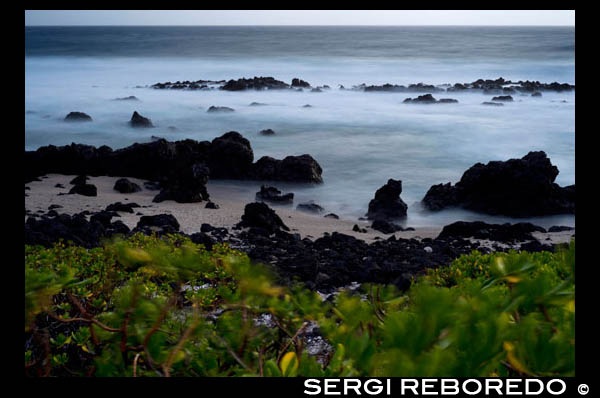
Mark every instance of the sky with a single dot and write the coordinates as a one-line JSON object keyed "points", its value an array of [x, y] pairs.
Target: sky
{"points": [[300, 17]]}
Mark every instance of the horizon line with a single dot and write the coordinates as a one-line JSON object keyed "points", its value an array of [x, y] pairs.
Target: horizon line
{"points": [[450, 25]]}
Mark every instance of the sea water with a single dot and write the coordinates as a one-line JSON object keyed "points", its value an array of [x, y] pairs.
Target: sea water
{"points": [[361, 139]]}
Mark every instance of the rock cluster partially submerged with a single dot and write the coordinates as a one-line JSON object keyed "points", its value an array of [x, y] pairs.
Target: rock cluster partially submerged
{"points": [[517, 188], [181, 168]]}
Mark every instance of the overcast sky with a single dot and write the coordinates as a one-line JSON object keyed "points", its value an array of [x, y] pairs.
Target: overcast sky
{"points": [[301, 17]]}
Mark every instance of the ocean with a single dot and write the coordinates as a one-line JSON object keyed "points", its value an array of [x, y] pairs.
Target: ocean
{"points": [[361, 139]]}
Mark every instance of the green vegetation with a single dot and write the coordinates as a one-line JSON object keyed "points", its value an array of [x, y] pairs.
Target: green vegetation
{"points": [[150, 306]]}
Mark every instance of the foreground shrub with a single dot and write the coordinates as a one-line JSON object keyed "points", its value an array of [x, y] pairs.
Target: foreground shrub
{"points": [[150, 306]]}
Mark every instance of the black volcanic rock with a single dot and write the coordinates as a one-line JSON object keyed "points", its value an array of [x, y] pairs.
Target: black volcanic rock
{"points": [[124, 207], [505, 233], [492, 103], [299, 83], [267, 132], [503, 98], [310, 207], [123, 185], [164, 163], [47, 231], [230, 156], [517, 187], [84, 189], [560, 228], [78, 117], [272, 194], [161, 223], [219, 109], [303, 168], [259, 215], [386, 227], [256, 83], [138, 120], [387, 203], [81, 179], [421, 99], [130, 98], [188, 186]]}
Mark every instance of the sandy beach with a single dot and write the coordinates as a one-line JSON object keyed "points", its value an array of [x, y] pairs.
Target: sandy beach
{"points": [[230, 198]]}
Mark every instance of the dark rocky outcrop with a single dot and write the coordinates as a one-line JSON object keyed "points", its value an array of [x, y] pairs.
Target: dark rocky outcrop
{"points": [[160, 223], [517, 188], [259, 215], [503, 98], [310, 207], [256, 83], [188, 186], [257, 104], [171, 163], [303, 168], [76, 228], [560, 228], [273, 195], [386, 227], [130, 98], [505, 233], [84, 189], [429, 99], [267, 132], [124, 207], [387, 203], [138, 120], [230, 156], [492, 103], [211, 205], [123, 185], [81, 179], [299, 83], [78, 117], [219, 109]]}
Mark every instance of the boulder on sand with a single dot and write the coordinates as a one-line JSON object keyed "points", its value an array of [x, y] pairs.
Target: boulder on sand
{"points": [[259, 215], [123, 185], [230, 156], [84, 189], [387, 203], [272, 194]]}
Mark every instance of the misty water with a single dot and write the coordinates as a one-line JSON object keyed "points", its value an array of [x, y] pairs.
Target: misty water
{"points": [[360, 139]]}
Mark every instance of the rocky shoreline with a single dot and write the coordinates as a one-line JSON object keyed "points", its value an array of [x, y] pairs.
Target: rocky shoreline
{"points": [[177, 173], [485, 86]]}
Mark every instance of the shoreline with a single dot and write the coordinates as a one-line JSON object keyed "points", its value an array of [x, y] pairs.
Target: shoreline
{"points": [[231, 202]]}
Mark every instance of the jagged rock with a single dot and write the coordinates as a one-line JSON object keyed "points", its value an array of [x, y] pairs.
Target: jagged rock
{"points": [[299, 83], [138, 120], [260, 215], [387, 202], [230, 156], [517, 188]]}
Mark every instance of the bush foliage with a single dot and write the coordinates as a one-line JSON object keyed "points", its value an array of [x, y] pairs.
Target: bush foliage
{"points": [[150, 306]]}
